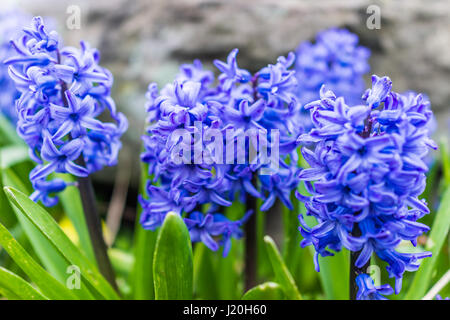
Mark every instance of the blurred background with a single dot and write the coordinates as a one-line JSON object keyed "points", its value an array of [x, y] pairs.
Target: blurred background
{"points": [[146, 40]]}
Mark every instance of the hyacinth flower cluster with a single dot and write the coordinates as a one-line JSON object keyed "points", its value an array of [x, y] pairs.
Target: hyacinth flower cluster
{"points": [[335, 60], [9, 20], [367, 173], [63, 92], [211, 178]]}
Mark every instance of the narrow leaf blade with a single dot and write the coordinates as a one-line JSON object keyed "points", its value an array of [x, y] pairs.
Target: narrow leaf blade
{"points": [[51, 230], [143, 250], [17, 288], [436, 239], [48, 285]]}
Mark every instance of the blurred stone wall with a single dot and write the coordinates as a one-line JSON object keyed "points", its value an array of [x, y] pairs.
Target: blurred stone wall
{"points": [[142, 41]]}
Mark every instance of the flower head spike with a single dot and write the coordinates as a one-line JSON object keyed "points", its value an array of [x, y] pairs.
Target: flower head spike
{"points": [[368, 173], [62, 92], [200, 141], [335, 60]]}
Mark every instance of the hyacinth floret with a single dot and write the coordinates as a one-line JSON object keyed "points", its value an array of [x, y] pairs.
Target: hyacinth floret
{"points": [[368, 291], [201, 105]]}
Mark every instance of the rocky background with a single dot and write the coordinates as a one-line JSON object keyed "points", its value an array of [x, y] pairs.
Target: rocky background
{"points": [[145, 40]]}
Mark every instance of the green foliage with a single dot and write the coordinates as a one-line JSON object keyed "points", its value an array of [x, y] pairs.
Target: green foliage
{"points": [[49, 229], [14, 287], [334, 275], [47, 253], [436, 239], [71, 203], [35, 252], [205, 272], [47, 284], [144, 246], [172, 263]]}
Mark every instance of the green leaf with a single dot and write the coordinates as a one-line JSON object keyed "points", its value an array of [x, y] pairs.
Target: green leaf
{"points": [[334, 275], [265, 291], [230, 284], [17, 288], [172, 264], [51, 231], [282, 274], [292, 253], [263, 266], [71, 202], [142, 276], [7, 216], [48, 285], [436, 239], [205, 285], [143, 250], [445, 158], [46, 252]]}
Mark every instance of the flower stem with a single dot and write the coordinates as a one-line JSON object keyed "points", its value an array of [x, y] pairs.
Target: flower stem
{"points": [[94, 227], [356, 232], [250, 225]]}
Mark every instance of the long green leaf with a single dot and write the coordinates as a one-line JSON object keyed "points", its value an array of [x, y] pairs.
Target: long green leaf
{"points": [[205, 285], [143, 250], [142, 277], [230, 284], [265, 291], [48, 285], [172, 264], [445, 158], [263, 266], [71, 202], [282, 274], [292, 252], [51, 230], [334, 275], [17, 288], [7, 216], [46, 252], [436, 239]]}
